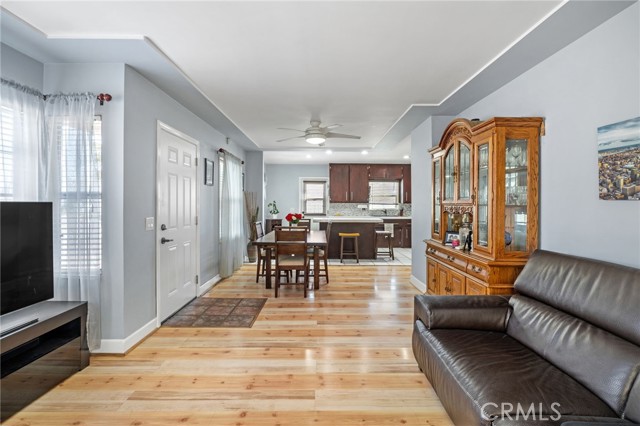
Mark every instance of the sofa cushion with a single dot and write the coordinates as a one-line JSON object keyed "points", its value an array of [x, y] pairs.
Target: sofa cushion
{"points": [[599, 360], [605, 294], [490, 313], [475, 372]]}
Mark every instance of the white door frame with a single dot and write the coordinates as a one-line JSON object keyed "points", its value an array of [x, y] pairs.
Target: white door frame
{"points": [[159, 128]]}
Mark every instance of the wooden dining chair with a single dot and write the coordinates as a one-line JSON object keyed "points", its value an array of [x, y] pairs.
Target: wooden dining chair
{"points": [[305, 223], [291, 255], [261, 270], [323, 255]]}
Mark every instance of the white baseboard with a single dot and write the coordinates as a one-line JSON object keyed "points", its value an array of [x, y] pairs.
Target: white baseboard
{"points": [[418, 284], [208, 285], [121, 346]]}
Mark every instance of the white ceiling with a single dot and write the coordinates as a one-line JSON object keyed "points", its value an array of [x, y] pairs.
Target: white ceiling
{"points": [[266, 64]]}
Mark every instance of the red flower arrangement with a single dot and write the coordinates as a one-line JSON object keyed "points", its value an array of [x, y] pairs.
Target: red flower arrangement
{"points": [[294, 218]]}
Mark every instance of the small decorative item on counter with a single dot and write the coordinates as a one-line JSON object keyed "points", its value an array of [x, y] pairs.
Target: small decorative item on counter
{"points": [[294, 218], [455, 241]]}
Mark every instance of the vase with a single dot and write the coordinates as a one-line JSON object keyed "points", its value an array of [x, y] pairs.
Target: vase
{"points": [[274, 216], [252, 252]]}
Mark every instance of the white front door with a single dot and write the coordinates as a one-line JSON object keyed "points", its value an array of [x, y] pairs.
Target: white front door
{"points": [[176, 227]]}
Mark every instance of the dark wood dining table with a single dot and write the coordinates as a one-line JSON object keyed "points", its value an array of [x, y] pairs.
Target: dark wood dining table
{"points": [[315, 239]]}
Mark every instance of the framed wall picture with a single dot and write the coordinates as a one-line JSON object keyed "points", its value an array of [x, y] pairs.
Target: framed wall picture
{"points": [[208, 172]]}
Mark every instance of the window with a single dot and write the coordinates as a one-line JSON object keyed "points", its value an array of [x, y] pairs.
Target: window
{"points": [[384, 194], [78, 237], [6, 153], [80, 198], [314, 196]]}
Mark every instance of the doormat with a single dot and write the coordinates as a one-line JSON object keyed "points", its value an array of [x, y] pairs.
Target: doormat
{"points": [[218, 312]]}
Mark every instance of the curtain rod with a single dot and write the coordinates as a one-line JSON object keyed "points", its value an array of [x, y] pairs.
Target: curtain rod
{"points": [[102, 97], [225, 152]]}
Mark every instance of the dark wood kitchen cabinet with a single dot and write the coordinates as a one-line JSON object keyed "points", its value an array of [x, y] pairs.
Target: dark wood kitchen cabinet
{"points": [[339, 183], [385, 171], [349, 183], [406, 183]]}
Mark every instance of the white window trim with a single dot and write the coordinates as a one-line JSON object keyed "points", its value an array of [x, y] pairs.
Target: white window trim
{"points": [[301, 182]]}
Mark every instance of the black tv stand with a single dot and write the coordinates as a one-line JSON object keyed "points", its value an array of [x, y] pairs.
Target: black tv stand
{"points": [[15, 328], [42, 345]]}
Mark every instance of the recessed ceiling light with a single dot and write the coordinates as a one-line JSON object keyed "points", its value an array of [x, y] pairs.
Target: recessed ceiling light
{"points": [[406, 157], [365, 152], [308, 155], [329, 152]]}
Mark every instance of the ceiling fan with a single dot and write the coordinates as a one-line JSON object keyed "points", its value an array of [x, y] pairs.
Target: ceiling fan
{"points": [[317, 135]]}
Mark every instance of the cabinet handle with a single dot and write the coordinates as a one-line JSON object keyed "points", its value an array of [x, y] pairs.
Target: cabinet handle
{"points": [[450, 258], [351, 195], [474, 268], [346, 195]]}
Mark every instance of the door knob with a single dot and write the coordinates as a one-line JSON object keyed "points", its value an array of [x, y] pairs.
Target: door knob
{"points": [[164, 240], [163, 227]]}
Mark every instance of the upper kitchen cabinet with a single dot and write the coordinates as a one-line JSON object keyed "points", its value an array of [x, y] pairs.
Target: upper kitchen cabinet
{"points": [[406, 183], [385, 171], [349, 183], [339, 183]]}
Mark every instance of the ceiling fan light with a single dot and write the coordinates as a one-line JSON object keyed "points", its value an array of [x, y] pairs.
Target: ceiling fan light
{"points": [[315, 139]]}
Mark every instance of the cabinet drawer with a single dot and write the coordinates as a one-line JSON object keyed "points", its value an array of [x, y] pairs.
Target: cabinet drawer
{"points": [[475, 288], [478, 270], [448, 258]]}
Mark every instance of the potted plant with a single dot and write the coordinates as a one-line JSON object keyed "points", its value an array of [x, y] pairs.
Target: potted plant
{"points": [[252, 210], [273, 209]]}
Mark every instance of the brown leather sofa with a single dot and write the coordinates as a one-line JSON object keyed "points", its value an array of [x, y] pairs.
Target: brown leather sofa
{"points": [[565, 349]]}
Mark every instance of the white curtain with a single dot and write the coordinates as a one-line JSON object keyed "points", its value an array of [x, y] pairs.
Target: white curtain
{"points": [[48, 153], [22, 141], [73, 182], [232, 240]]}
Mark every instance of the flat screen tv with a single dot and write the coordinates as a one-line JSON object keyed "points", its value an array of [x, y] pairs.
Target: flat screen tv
{"points": [[26, 249]]}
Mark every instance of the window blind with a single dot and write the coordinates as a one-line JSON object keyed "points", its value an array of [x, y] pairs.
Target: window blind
{"points": [[6, 154], [80, 198], [314, 193], [384, 194]]}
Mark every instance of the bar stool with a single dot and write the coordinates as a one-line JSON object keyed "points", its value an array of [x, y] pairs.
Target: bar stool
{"points": [[387, 234], [353, 236]]}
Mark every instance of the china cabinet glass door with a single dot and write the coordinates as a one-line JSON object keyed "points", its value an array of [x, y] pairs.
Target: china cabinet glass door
{"points": [[482, 213], [437, 213], [515, 211], [464, 189], [449, 176]]}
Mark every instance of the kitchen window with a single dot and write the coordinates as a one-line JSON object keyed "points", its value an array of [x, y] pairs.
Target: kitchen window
{"points": [[384, 194], [313, 196]]}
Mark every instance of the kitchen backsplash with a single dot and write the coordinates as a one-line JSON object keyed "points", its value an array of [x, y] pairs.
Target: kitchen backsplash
{"points": [[351, 209]]}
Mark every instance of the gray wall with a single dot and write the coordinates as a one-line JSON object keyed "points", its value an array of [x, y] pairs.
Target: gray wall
{"points": [[145, 104], [254, 177], [282, 184], [425, 136], [129, 161], [16, 66], [590, 83]]}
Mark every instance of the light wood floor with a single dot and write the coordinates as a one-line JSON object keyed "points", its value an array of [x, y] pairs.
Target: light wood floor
{"points": [[341, 357]]}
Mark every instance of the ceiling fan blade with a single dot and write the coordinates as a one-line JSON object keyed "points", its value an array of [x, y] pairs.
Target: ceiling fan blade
{"points": [[287, 139], [341, 135], [333, 126], [288, 128]]}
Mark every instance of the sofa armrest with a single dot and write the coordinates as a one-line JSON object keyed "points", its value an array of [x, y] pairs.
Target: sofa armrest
{"points": [[489, 313]]}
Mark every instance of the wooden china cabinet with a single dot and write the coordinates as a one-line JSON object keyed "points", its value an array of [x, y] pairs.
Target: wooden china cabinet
{"points": [[487, 174]]}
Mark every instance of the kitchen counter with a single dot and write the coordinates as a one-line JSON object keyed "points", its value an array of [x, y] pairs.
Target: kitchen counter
{"points": [[356, 219]]}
